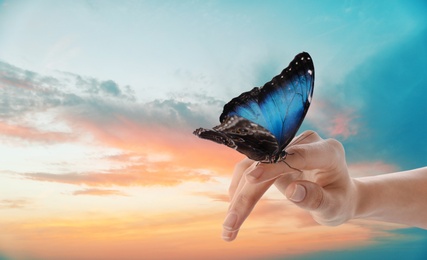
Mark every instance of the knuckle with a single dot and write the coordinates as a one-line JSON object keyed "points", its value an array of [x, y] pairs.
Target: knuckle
{"points": [[337, 149], [318, 200], [244, 201], [312, 135], [242, 165], [309, 132]]}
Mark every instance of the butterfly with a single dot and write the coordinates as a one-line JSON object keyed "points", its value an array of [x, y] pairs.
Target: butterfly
{"points": [[260, 123]]}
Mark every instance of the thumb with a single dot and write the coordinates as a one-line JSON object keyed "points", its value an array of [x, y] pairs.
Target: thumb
{"points": [[305, 194]]}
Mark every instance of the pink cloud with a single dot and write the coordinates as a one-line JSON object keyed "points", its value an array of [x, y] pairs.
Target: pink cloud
{"points": [[33, 134], [179, 147], [342, 125], [334, 120]]}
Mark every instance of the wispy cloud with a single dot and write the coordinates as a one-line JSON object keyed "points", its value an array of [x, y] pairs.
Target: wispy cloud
{"points": [[14, 203], [184, 234], [164, 174], [32, 134], [223, 197], [99, 192], [88, 111], [333, 119]]}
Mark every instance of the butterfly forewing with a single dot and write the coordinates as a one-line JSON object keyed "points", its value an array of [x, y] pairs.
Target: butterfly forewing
{"points": [[260, 123], [293, 89]]}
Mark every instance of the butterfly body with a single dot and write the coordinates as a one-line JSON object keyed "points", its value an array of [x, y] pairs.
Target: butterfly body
{"points": [[260, 123]]}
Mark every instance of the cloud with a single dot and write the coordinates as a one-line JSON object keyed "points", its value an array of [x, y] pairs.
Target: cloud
{"points": [[184, 234], [26, 92], [73, 97], [30, 134], [110, 87], [14, 203], [164, 174], [64, 108], [151, 165], [333, 119], [377, 110], [99, 192], [215, 196]]}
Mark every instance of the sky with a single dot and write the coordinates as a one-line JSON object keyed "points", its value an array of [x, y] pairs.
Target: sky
{"points": [[98, 101]]}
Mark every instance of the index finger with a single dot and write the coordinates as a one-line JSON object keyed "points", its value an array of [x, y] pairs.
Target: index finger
{"points": [[239, 170], [241, 206]]}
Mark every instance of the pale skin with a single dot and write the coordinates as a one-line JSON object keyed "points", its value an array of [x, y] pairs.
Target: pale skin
{"points": [[314, 176]]}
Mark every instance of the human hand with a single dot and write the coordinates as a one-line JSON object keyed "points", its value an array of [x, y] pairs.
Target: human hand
{"points": [[313, 176]]}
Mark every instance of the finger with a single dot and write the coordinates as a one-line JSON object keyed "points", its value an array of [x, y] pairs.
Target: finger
{"points": [[308, 136], [305, 194], [241, 206], [239, 170], [269, 171], [283, 182], [323, 154]]}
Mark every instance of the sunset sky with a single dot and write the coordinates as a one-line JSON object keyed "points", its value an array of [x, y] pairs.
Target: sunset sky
{"points": [[98, 101]]}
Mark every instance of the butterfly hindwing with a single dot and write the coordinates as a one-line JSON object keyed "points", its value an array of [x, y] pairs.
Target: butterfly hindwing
{"points": [[238, 133]]}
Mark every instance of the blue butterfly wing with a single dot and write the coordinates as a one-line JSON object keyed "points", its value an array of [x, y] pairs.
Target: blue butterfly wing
{"points": [[285, 100], [246, 105], [260, 123]]}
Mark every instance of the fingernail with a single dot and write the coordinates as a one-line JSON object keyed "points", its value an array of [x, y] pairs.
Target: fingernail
{"points": [[229, 235], [230, 221], [298, 194], [256, 173]]}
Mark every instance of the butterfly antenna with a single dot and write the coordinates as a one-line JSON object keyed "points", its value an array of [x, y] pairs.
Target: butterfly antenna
{"points": [[293, 168]]}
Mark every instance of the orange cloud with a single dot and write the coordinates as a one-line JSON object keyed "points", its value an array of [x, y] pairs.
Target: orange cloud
{"points": [[147, 138], [14, 203], [177, 235], [165, 174], [99, 192], [223, 197]]}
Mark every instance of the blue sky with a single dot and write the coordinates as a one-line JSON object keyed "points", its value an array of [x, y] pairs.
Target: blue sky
{"points": [[98, 100]]}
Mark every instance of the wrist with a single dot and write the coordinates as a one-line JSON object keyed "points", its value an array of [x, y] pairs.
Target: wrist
{"points": [[363, 199]]}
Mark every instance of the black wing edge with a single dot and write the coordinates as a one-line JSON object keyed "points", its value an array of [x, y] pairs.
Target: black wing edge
{"points": [[301, 62]]}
